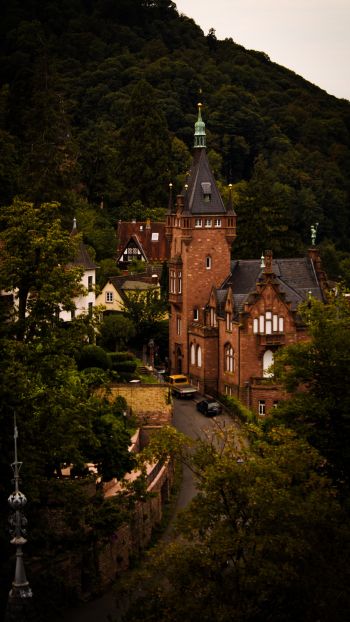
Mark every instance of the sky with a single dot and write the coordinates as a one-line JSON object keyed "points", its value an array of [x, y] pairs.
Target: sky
{"points": [[310, 37]]}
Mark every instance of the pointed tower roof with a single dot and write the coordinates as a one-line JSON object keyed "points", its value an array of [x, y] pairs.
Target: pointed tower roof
{"points": [[82, 257], [200, 191]]}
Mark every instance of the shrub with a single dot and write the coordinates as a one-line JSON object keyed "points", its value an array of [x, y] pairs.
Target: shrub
{"points": [[93, 356], [236, 408]]}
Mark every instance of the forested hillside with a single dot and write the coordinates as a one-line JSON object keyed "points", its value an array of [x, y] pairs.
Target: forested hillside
{"points": [[98, 101]]}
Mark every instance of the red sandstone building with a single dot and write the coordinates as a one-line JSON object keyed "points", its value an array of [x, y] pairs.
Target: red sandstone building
{"points": [[228, 318]]}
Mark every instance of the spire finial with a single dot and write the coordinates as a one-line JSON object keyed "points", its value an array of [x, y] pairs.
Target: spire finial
{"points": [[170, 202], [199, 130], [262, 261], [21, 593]]}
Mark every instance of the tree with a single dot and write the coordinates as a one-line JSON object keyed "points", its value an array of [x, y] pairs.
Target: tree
{"points": [[145, 149], [34, 264], [116, 331], [315, 373], [145, 308], [61, 421], [252, 543]]}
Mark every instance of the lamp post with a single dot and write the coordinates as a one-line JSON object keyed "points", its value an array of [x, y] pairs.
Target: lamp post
{"points": [[21, 594], [151, 352]]}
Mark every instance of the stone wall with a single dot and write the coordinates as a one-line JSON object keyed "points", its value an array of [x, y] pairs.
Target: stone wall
{"points": [[149, 403]]}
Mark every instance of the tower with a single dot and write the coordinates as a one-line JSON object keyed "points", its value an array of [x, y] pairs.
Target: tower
{"points": [[200, 230]]}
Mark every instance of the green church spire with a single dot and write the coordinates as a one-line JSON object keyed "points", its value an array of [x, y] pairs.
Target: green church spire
{"points": [[199, 130]]}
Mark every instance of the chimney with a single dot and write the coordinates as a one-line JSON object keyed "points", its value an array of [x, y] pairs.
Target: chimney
{"points": [[314, 255], [268, 262], [180, 202]]}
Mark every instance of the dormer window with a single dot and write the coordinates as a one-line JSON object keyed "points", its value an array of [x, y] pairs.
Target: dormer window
{"points": [[206, 189]]}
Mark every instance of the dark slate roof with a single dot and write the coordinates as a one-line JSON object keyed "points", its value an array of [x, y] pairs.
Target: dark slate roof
{"points": [[82, 257], [221, 295], [200, 173], [295, 278], [142, 233]]}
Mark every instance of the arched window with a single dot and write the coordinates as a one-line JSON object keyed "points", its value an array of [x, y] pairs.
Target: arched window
{"points": [[229, 361], [208, 262], [199, 356], [267, 362], [193, 354]]}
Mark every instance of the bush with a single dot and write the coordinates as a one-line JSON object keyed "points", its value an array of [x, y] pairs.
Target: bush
{"points": [[121, 356], [125, 366], [236, 408], [93, 356], [123, 362]]}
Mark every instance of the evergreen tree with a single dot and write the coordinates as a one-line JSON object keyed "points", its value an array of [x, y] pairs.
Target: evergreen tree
{"points": [[144, 147]]}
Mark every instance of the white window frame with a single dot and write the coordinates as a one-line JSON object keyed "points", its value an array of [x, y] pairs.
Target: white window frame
{"points": [[109, 297], [208, 262], [208, 223], [193, 354], [217, 222], [212, 317], [199, 356], [267, 362], [195, 314], [198, 223], [229, 358], [255, 325], [262, 408], [179, 282], [261, 324], [172, 281]]}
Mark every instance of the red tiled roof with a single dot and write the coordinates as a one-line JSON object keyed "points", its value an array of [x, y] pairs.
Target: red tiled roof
{"points": [[149, 236]]}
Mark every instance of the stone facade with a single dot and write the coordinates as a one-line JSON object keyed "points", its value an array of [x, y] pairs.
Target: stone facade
{"points": [[228, 317]]}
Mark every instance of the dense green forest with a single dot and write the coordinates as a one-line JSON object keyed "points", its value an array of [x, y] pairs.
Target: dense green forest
{"points": [[98, 100]]}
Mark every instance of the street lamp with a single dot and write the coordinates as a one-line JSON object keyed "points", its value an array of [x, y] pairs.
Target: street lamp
{"points": [[21, 594]]}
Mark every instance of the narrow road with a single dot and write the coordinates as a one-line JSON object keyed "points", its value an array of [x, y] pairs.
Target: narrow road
{"points": [[195, 425]]}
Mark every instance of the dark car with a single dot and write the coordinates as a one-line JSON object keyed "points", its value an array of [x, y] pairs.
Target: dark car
{"points": [[210, 408]]}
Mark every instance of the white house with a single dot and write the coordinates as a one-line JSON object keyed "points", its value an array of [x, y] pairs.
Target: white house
{"points": [[84, 303]]}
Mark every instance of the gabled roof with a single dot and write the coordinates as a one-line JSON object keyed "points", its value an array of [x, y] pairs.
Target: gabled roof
{"points": [[148, 236], [296, 278]]}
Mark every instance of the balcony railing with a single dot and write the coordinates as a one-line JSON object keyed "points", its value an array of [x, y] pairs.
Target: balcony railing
{"points": [[275, 339]]}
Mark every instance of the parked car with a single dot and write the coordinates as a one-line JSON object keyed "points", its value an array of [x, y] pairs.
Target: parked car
{"points": [[210, 408]]}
